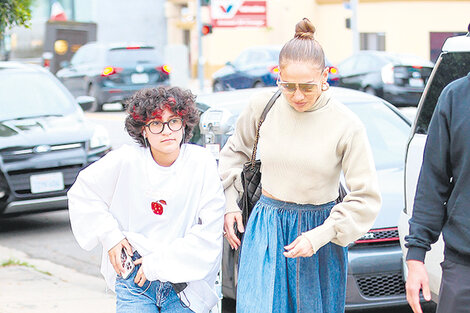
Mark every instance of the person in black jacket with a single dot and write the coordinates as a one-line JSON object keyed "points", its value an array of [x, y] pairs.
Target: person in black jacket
{"points": [[442, 203]]}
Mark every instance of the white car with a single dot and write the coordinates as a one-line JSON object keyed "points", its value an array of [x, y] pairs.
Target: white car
{"points": [[453, 63]]}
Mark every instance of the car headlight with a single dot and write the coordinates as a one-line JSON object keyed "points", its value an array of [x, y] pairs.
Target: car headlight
{"points": [[100, 138]]}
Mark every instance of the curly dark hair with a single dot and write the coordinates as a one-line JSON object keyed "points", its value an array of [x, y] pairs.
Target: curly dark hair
{"points": [[149, 103]]}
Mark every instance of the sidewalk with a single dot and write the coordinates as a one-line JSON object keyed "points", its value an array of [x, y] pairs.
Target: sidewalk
{"points": [[41, 286]]}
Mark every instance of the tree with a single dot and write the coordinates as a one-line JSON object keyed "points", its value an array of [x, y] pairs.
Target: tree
{"points": [[14, 13]]}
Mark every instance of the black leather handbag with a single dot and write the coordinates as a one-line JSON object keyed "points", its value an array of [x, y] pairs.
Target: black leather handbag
{"points": [[251, 173]]}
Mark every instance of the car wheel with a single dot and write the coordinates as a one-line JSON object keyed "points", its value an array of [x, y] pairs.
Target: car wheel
{"points": [[370, 91], [217, 87], [96, 106], [258, 85]]}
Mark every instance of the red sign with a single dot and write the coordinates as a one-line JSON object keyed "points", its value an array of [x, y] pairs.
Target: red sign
{"points": [[238, 13]]}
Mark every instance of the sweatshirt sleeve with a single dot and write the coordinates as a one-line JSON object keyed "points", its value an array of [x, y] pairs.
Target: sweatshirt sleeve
{"points": [[433, 187], [89, 199], [353, 217], [199, 252], [237, 151]]}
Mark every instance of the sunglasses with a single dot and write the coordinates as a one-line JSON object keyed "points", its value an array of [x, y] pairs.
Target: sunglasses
{"points": [[304, 88]]}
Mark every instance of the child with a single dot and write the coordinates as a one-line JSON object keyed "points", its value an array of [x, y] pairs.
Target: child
{"points": [[162, 202]]}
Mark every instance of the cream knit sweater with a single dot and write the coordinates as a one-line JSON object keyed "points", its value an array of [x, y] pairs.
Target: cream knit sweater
{"points": [[302, 156]]}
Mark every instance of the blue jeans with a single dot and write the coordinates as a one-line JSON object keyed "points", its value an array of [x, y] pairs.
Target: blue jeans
{"points": [[270, 282], [152, 297]]}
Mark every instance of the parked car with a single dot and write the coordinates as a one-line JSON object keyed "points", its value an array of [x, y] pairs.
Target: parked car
{"points": [[256, 67], [453, 63], [375, 277], [44, 140], [397, 78], [112, 72]]}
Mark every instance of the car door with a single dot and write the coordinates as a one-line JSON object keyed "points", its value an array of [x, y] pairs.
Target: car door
{"points": [[235, 79], [449, 67], [348, 72]]}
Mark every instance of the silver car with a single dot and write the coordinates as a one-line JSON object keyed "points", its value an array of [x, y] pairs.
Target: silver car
{"points": [[375, 277]]}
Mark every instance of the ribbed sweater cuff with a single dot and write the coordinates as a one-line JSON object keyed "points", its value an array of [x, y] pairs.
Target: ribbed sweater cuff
{"points": [[416, 253], [231, 198], [321, 235]]}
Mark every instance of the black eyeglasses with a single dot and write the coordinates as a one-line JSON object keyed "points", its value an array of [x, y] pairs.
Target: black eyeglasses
{"points": [[156, 127], [305, 88]]}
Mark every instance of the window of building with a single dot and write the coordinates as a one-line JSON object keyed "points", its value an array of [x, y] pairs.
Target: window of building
{"points": [[373, 41]]}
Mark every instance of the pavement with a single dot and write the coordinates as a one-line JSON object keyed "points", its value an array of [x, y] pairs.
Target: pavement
{"points": [[30, 285]]}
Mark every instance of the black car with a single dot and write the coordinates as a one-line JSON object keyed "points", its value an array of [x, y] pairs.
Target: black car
{"points": [[397, 78], [256, 67], [113, 72], [44, 140]]}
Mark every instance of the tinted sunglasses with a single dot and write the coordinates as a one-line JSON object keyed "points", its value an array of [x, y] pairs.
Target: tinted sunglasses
{"points": [[304, 88]]}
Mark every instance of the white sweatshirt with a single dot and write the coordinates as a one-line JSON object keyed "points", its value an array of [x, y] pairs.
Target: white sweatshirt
{"points": [[120, 196]]}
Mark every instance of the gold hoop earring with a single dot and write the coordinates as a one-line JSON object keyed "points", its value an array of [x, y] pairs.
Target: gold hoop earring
{"points": [[325, 86]]}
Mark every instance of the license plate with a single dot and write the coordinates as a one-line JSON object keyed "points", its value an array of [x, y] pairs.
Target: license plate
{"points": [[140, 78], [416, 82], [214, 149], [47, 182]]}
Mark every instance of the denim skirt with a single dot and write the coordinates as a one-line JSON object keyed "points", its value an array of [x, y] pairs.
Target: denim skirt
{"points": [[270, 282]]}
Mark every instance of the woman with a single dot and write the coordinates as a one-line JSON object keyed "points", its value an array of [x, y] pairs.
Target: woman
{"points": [[160, 202], [293, 257]]}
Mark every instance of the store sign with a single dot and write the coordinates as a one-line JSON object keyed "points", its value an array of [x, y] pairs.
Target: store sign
{"points": [[238, 13]]}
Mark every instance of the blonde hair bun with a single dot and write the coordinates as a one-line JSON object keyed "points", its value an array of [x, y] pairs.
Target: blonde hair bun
{"points": [[304, 29]]}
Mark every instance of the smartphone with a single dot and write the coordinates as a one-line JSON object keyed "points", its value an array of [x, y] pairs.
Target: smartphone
{"points": [[127, 264]]}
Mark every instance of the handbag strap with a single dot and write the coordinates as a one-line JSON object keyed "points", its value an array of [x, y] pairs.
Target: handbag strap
{"points": [[268, 107]]}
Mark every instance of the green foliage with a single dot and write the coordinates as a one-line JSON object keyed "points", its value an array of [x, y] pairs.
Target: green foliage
{"points": [[15, 262], [14, 13]]}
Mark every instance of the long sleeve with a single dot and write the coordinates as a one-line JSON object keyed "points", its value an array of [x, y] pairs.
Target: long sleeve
{"points": [[353, 217], [198, 253], [433, 187], [89, 202], [237, 150]]}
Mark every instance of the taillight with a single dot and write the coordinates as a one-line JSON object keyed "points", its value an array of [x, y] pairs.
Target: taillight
{"points": [[164, 68], [109, 70], [379, 235], [387, 74], [333, 70], [274, 69], [417, 67], [133, 48]]}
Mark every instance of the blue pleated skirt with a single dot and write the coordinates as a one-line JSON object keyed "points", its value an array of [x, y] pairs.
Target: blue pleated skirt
{"points": [[270, 282]]}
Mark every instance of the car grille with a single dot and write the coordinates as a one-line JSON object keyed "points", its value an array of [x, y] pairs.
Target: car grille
{"points": [[16, 154], [20, 180], [380, 235], [381, 285]]}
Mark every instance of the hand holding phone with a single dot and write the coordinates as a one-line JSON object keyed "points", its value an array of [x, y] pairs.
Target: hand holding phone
{"points": [[127, 264]]}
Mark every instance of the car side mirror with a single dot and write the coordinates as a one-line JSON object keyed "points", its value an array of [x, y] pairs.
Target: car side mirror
{"points": [[85, 102], [64, 64]]}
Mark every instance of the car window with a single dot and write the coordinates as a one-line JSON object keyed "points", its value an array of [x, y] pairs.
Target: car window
{"points": [[242, 59], [387, 133], [347, 66], [123, 56], [449, 67], [365, 63], [31, 94], [80, 56]]}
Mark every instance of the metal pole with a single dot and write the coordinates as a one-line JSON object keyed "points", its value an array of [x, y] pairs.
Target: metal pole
{"points": [[200, 59], [355, 33]]}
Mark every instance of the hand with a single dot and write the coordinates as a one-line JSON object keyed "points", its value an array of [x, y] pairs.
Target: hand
{"points": [[140, 278], [115, 255], [230, 220], [300, 247], [417, 280]]}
